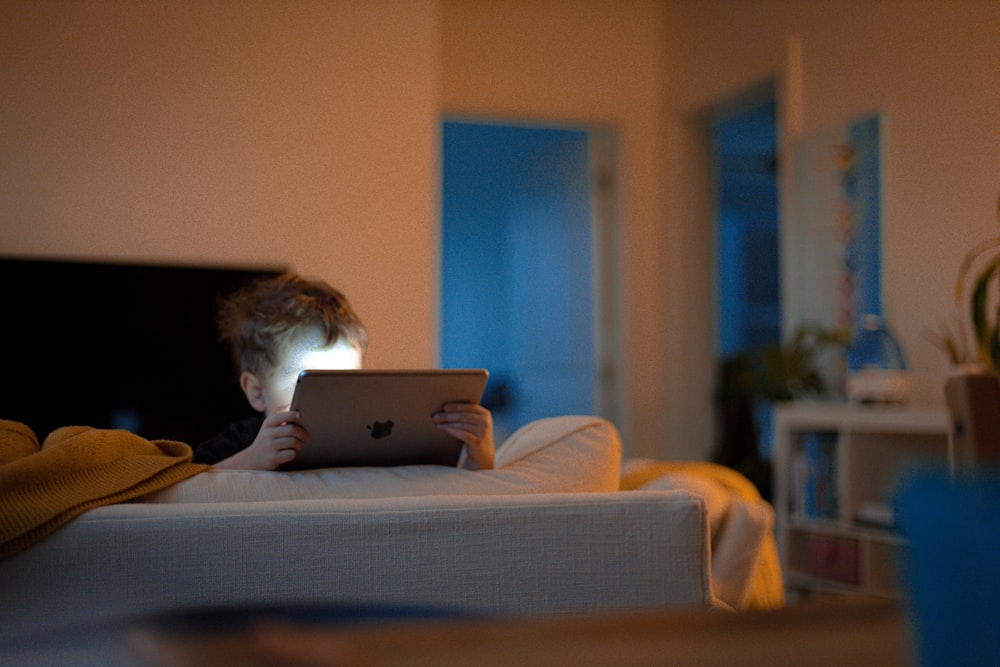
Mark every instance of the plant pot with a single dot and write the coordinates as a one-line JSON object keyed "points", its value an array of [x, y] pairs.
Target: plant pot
{"points": [[973, 401]]}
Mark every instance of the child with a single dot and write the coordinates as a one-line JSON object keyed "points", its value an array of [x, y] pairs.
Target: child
{"points": [[277, 327]]}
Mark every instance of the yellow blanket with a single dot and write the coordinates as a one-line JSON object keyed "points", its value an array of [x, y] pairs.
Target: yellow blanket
{"points": [[746, 570], [76, 469]]}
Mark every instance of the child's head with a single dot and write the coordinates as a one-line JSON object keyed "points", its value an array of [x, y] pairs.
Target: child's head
{"points": [[276, 327]]}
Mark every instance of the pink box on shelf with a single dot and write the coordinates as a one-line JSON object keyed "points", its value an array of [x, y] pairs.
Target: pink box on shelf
{"points": [[834, 558]]}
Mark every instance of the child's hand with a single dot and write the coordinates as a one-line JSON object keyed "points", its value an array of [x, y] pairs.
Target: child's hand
{"points": [[473, 425], [279, 440]]}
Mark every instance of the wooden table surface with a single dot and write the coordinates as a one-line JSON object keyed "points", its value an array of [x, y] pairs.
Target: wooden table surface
{"points": [[818, 634]]}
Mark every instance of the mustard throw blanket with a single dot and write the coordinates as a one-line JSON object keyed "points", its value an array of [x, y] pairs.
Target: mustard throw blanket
{"points": [[76, 469], [746, 569]]}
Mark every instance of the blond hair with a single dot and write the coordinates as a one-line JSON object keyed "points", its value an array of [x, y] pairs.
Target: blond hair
{"points": [[261, 320]]}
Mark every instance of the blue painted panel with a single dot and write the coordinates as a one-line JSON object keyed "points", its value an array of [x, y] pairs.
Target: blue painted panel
{"points": [[517, 274]]}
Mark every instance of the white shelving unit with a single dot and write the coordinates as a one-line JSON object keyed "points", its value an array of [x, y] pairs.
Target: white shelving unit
{"points": [[836, 468]]}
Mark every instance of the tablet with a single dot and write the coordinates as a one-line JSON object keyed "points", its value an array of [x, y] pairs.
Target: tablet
{"points": [[380, 417]]}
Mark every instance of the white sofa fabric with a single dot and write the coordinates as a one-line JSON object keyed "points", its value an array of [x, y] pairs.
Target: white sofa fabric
{"points": [[545, 533], [527, 554], [574, 453]]}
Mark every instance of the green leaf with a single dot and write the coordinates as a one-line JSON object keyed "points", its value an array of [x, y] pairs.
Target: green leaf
{"points": [[994, 350], [982, 328], [969, 260]]}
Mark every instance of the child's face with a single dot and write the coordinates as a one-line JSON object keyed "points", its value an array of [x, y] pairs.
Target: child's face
{"points": [[306, 353]]}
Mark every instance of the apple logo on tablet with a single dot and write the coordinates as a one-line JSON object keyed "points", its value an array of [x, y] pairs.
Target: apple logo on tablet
{"points": [[381, 429]]}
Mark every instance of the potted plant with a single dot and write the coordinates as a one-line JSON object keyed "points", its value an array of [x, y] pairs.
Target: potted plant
{"points": [[794, 369], [972, 342], [972, 345], [751, 382]]}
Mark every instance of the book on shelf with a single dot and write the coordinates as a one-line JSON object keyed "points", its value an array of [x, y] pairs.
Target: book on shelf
{"points": [[817, 473], [875, 513]]}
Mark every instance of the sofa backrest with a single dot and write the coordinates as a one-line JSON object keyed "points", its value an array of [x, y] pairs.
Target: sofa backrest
{"points": [[527, 554]]}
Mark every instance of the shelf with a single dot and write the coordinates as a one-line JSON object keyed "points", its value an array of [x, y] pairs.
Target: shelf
{"points": [[838, 415], [834, 462], [836, 526]]}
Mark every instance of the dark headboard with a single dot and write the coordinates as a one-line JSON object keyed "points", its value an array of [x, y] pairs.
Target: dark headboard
{"points": [[108, 345]]}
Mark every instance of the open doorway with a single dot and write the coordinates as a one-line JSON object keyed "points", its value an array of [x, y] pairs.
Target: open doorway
{"points": [[744, 155], [526, 252], [744, 133]]}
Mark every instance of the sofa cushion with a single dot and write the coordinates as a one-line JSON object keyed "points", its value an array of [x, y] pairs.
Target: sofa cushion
{"points": [[557, 454]]}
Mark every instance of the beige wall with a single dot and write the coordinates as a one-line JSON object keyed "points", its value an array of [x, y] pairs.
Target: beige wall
{"points": [[931, 67], [274, 133], [586, 62], [305, 133], [654, 70]]}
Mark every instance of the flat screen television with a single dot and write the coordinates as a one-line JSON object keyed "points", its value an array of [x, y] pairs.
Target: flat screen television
{"points": [[117, 345]]}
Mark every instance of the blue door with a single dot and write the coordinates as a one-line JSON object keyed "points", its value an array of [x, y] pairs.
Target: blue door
{"points": [[517, 277]]}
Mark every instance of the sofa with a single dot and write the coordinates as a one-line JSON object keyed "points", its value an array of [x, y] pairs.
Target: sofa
{"points": [[548, 532]]}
